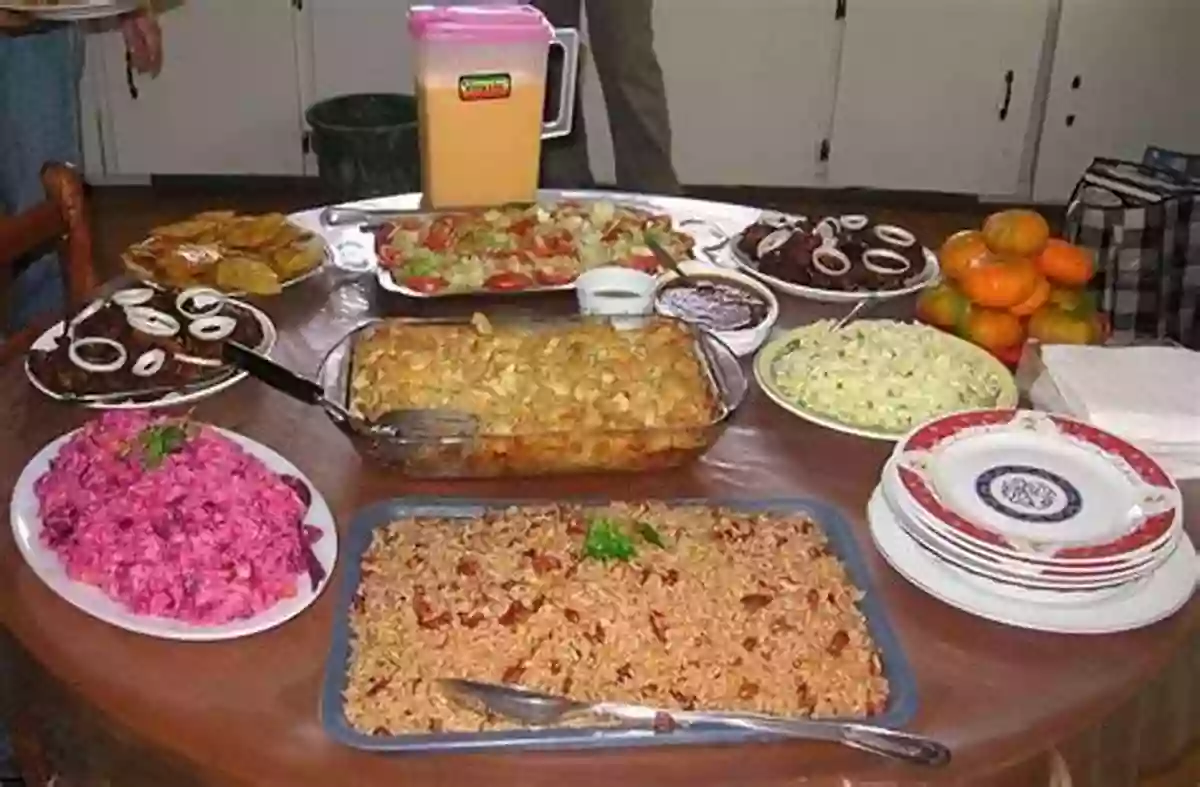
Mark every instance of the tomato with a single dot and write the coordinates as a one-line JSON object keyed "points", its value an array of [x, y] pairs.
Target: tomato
{"points": [[549, 277], [523, 226], [438, 238], [647, 263], [558, 245], [425, 284], [390, 256], [507, 281]]}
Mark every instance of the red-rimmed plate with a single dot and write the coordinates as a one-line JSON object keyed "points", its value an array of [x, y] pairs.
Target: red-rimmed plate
{"points": [[1038, 485], [1018, 569]]}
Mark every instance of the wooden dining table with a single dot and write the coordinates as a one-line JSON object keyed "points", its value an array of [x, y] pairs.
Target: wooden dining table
{"points": [[90, 704]]}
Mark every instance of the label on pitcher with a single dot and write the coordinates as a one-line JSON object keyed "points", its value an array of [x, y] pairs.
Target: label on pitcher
{"points": [[484, 87]]}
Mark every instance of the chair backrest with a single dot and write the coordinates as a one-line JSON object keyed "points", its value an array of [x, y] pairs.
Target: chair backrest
{"points": [[61, 220]]}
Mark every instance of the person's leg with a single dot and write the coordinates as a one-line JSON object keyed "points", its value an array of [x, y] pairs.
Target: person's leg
{"points": [[622, 44], [564, 160], [39, 122]]}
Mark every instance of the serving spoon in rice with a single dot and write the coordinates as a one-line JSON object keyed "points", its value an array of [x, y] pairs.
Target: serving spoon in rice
{"points": [[536, 709]]}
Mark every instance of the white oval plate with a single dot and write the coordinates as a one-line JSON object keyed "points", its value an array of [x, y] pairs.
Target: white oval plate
{"points": [[926, 278], [1157, 598], [766, 380], [27, 528], [47, 339], [74, 12]]}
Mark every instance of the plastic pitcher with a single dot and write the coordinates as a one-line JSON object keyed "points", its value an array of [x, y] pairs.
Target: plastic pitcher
{"points": [[481, 84]]}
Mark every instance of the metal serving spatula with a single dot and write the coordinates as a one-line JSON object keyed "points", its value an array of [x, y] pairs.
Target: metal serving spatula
{"points": [[537, 709], [411, 424]]}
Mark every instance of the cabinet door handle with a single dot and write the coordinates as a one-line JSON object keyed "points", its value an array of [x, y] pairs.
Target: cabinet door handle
{"points": [[1009, 76], [129, 80]]}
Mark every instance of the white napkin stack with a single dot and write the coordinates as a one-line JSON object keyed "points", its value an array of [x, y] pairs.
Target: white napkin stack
{"points": [[1148, 395]]}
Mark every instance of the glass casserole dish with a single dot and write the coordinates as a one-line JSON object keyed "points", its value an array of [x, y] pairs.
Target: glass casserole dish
{"points": [[552, 395]]}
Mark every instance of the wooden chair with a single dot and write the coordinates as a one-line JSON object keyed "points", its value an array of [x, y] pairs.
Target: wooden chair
{"points": [[62, 220]]}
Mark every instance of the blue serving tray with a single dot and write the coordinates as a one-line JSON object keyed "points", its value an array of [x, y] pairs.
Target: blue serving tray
{"points": [[902, 700]]}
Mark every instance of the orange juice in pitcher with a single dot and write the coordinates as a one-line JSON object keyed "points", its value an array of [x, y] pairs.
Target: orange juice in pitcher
{"points": [[481, 85]]}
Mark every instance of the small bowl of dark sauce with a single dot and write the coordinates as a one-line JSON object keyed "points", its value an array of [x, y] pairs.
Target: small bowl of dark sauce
{"points": [[734, 307]]}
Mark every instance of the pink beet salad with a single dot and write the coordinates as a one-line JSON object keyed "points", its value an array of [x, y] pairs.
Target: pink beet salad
{"points": [[170, 518]]}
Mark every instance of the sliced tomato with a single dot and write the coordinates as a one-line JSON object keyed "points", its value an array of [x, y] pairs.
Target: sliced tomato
{"points": [[390, 256], [549, 277], [522, 226], [425, 284], [557, 245], [508, 281], [646, 263]]}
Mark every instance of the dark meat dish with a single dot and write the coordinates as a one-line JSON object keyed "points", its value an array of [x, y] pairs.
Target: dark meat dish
{"points": [[846, 254], [140, 338]]}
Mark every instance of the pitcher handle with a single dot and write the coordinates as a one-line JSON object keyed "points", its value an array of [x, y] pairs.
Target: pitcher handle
{"points": [[564, 121]]}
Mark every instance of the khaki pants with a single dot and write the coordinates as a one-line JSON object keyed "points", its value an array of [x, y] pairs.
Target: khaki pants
{"points": [[621, 35]]}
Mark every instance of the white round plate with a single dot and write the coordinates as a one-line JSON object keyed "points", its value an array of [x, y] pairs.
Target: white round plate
{"points": [[74, 12], [27, 528], [46, 342], [1038, 485], [1046, 589], [951, 542], [928, 277], [1157, 598], [778, 346]]}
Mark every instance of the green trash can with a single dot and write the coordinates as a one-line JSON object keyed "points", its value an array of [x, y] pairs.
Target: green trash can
{"points": [[366, 144]]}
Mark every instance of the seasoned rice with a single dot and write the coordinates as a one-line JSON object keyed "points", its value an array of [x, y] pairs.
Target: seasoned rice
{"points": [[734, 611]]}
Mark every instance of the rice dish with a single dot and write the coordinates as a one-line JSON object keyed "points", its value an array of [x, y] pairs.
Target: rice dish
{"points": [[674, 607]]}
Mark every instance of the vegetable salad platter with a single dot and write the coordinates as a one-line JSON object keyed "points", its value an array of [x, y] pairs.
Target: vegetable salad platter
{"points": [[520, 248]]}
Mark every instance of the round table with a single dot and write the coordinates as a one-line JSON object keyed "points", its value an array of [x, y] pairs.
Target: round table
{"points": [[89, 704]]}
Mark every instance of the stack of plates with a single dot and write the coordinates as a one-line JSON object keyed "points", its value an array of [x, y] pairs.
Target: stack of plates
{"points": [[1036, 521]]}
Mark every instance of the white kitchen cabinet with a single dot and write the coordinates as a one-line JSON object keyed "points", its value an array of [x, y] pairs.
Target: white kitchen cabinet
{"points": [[1125, 76], [749, 87], [937, 95], [226, 103]]}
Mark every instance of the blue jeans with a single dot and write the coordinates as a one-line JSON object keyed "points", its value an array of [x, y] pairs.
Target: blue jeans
{"points": [[39, 122]]}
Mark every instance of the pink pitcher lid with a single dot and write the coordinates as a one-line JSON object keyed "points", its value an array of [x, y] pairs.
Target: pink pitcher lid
{"points": [[489, 24]]}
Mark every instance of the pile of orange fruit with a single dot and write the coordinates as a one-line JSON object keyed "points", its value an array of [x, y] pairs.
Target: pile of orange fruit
{"points": [[1011, 281]]}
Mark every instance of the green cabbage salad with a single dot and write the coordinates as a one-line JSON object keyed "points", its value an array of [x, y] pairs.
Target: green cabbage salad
{"points": [[883, 375]]}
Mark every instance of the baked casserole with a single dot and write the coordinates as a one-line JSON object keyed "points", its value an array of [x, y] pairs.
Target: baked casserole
{"points": [[548, 395]]}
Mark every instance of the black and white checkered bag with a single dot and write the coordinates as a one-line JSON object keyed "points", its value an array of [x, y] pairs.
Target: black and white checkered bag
{"points": [[1143, 224]]}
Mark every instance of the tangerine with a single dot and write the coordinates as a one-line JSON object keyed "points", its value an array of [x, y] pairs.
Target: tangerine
{"points": [[1000, 283], [1065, 263], [994, 330], [1022, 233], [942, 306], [1041, 294], [1053, 325], [962, 251]]}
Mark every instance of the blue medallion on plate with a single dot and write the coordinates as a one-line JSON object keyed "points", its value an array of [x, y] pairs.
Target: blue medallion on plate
{"points": [[1029, 494]]}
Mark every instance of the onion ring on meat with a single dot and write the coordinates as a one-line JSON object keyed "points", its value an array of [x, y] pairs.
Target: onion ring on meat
{"points": [[897, 236], [871, 258], [97, 341], [773, 241], [835, 253]]}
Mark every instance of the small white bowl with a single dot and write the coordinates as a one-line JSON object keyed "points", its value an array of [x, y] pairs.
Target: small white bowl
{"points": [[614, 291], [742, 342]]}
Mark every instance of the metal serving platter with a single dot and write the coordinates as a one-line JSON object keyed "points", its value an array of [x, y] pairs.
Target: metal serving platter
{"points": [[389, 283], [902, 700]]}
